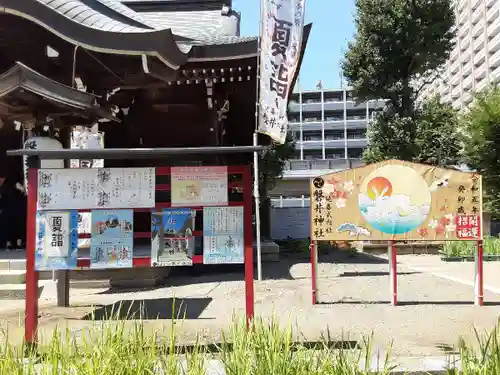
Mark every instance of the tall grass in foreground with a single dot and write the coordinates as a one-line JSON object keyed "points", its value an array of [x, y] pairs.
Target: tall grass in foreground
{"points": [[119, 348], [124, 348]]}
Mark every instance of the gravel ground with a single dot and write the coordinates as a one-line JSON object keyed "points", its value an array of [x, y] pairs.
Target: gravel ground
{"points": [[354, 296]]}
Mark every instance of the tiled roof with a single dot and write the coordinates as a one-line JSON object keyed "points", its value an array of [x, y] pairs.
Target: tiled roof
{"points": [[104, 15]]}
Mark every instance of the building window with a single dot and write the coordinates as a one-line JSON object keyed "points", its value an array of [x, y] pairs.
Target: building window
{"points": [[333, 135], [356, 133], [312, 154], [334, 154], [311, 135], [355, 153]]}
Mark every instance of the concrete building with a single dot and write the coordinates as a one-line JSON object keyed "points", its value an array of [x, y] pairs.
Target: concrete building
{"points": [[475, 61], [330, 132]]}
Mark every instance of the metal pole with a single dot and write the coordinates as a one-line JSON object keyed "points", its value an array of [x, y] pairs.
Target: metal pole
{"points": [[393, 272], [313, 247], [256, 155], [257, 208], [479, 278]]}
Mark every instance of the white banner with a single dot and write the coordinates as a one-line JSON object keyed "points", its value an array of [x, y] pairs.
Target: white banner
{"points": [[84, 139], [79, 188], [281, 42]]}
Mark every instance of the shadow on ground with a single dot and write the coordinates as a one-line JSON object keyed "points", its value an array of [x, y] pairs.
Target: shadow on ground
{"points": [[150, 309], [205, 273]]}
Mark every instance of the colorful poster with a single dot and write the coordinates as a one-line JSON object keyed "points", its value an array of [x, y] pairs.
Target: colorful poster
{"points": [[199, 186], [172, 240], [396, 200], [88, 188], [56, 241], [112, 239], [281, 45], [223, 235]]}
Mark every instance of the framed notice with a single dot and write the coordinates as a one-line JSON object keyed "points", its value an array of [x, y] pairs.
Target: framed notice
{"points": [[199, 186], [56, 240], [172, 240], [112, 239], [90, 188], [223, 235]]}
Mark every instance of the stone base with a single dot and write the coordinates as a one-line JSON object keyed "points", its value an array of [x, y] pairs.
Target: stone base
{"points": [[139, 277], [270, 251]]}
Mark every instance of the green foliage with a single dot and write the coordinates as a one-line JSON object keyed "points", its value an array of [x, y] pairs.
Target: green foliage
{"points": [[272, 163], [482, 146], [491, 246], [430, 137], [438, 140], [397, 42]]}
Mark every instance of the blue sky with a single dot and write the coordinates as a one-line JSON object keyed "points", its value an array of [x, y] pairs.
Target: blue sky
{"points": [[332, 27]]}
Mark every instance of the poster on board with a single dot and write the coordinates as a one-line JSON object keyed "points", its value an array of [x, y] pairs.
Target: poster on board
{"points": [[172, 240], [112, 239], [396, 200], [91, 188], [56, 240], [199, 186], [223, 235]]}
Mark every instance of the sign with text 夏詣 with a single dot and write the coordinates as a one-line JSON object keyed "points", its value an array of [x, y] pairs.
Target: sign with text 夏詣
{"points": [[396, 200], [56, 245], [282, 30]]}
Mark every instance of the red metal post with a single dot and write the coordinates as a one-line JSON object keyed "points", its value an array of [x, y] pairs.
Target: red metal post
{"points": [[479, 280], [314, 264], [31, 315], [393, 272], [248, 235]]}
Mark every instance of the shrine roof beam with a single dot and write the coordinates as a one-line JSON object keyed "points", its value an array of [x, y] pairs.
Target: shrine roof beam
{"points": [[132, 153]]}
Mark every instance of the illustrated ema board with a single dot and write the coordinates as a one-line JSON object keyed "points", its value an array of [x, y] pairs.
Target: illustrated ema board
{"points": [[396, 200]]}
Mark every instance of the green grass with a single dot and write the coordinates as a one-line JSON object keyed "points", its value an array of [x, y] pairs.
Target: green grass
{"points": [[119, 348], [467, 248]]}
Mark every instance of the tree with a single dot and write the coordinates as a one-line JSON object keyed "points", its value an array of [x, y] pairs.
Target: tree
{"points": [[482, 146], [397, 43], [271, 168], [435, 138], [438, 140]]}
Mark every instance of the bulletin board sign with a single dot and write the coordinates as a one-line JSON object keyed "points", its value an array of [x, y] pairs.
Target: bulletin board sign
{"points": [[223, 235], [96, 188], [56, 240], [172, 240], [199, 186], [112, 239], [397, 200]]}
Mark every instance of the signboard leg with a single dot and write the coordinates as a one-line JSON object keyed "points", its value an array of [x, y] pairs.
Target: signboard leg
{"points": [[393, 272], [248, 234], [478, 277], [31, 314], [314, 270], [63, 288]]}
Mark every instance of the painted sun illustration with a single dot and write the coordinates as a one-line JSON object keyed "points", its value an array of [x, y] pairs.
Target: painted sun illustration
{"points": [[379, 187]]}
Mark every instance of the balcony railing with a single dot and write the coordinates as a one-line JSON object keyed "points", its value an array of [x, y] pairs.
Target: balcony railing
{"points": [[304, 165]]}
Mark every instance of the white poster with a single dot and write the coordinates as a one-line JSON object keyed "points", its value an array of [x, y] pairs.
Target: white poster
{"points": [[199, 186], [83, 138], [96, 188], [57, 234], [223, 235], [281, 42]]}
